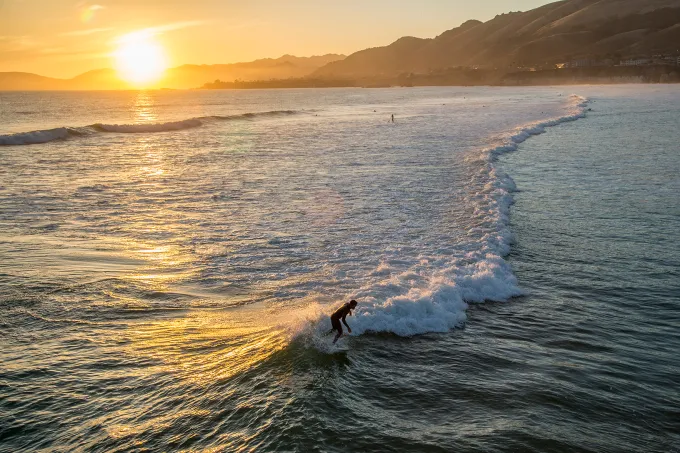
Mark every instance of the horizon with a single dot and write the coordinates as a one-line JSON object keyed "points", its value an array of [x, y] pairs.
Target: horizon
{"points": [[70, 39]]}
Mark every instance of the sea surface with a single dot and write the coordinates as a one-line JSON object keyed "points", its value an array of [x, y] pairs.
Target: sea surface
{"points": [[168, 260]]}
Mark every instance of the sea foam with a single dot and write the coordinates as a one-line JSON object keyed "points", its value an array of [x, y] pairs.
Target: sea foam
{"points": [[434, 298], [142, 128]]}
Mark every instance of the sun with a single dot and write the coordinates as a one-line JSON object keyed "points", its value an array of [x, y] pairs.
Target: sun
{"points": [[140, 59]]}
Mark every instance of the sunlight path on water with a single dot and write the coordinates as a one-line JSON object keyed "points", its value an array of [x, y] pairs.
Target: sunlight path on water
{"points": [[207, 346]]}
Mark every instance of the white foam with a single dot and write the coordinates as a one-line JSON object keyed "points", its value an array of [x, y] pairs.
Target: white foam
{"points": [[142, 128], [311, 326], [428, 298]]}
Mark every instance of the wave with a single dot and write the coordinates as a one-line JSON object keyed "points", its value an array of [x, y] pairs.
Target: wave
{"points": [[250, 115], [64, 133], [37, 137], [145, 128], [433, 295]]}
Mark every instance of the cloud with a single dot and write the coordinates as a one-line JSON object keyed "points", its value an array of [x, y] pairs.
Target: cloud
{"points": [[157, 30], [89, 31], [175, 26]]}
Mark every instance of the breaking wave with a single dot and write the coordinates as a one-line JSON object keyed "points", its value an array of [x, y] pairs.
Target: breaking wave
{"points": [[37, 137], [64, 133], [433, 294], [146, 128]]}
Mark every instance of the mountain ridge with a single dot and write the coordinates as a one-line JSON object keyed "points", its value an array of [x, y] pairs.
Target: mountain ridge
{"points": [[558, 34], [547, 35], [180, 77]]}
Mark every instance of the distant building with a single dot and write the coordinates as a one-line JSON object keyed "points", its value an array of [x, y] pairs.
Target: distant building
{"points": [[584, 63], [635, 62]]}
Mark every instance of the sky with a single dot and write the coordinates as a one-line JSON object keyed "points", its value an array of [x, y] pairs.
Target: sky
{"points": [[63, 38]]}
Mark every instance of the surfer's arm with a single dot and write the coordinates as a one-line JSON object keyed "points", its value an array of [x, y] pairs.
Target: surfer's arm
{"points": [[349, 329]]}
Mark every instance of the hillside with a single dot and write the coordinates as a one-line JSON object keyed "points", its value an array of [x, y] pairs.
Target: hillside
{"points": [[288, 66], [186, 76], [10, 81], [553, 33]]}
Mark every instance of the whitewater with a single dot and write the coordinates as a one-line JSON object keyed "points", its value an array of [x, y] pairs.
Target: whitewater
{"points": [[406, 286], [475, 272]]}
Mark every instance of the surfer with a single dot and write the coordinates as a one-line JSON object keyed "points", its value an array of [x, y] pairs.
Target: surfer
{"points": [[341, 313], [393, 117]]}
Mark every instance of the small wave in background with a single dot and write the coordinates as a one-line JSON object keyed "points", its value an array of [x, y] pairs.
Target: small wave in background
{"points": [[63, 133]]}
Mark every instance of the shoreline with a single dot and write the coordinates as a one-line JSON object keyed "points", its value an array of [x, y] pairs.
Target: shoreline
{"points": [[541, 85], [469, 77], [453, 77]]}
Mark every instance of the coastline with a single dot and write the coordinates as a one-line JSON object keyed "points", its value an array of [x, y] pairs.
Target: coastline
{"points": [[477, 77]]}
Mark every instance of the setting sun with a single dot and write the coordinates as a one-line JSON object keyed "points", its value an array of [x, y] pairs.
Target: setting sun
{"points": [[140, 59]]}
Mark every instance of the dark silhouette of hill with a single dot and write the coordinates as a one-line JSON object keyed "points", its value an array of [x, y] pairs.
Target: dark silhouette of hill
{"points": [[186, 76], [553, 33]]}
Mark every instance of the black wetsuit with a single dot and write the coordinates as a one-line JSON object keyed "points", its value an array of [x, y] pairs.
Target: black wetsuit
{"points": [[339, 314]]}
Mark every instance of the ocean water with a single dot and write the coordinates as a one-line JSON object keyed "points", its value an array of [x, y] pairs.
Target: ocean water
{"points": [[169, 260]]}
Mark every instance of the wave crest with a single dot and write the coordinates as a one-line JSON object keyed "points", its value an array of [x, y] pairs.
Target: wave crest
{"points": [[423, 299], [63, 133], [37, 137], [142, 128]]}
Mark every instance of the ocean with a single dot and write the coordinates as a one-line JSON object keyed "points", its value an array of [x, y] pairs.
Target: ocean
{"points": [[170, 259]]}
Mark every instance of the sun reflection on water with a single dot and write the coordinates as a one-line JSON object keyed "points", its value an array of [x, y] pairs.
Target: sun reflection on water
{"points": [[210, 346], [144, 108]]}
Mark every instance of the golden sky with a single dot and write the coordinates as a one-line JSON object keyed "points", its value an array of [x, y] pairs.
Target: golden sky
{"points": [[63, 38]]}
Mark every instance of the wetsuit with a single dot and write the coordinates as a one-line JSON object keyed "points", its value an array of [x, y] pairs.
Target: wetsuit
{"points": [[339, 314]]}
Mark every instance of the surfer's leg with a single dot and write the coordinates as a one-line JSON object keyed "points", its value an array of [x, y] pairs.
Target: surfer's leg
{"points": [[336, 326]]}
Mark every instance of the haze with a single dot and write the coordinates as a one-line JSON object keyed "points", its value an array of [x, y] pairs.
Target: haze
{"points": [[62, 38]]}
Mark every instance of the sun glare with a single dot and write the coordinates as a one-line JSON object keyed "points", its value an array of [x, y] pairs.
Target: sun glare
{"points": [[140, 59]]}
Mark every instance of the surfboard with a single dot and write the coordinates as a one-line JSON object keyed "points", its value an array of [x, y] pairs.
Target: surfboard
{"points": [[340, 346], [324, 343]]}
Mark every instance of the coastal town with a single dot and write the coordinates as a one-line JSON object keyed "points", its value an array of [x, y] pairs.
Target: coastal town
{"points": [[655, 60]]}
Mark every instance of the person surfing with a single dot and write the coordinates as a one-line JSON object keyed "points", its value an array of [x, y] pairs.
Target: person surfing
{"points": [[340, 314]]}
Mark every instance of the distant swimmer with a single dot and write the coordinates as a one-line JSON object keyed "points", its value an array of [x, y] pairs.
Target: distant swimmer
{"points": [[341, 313], [393, 117]]}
